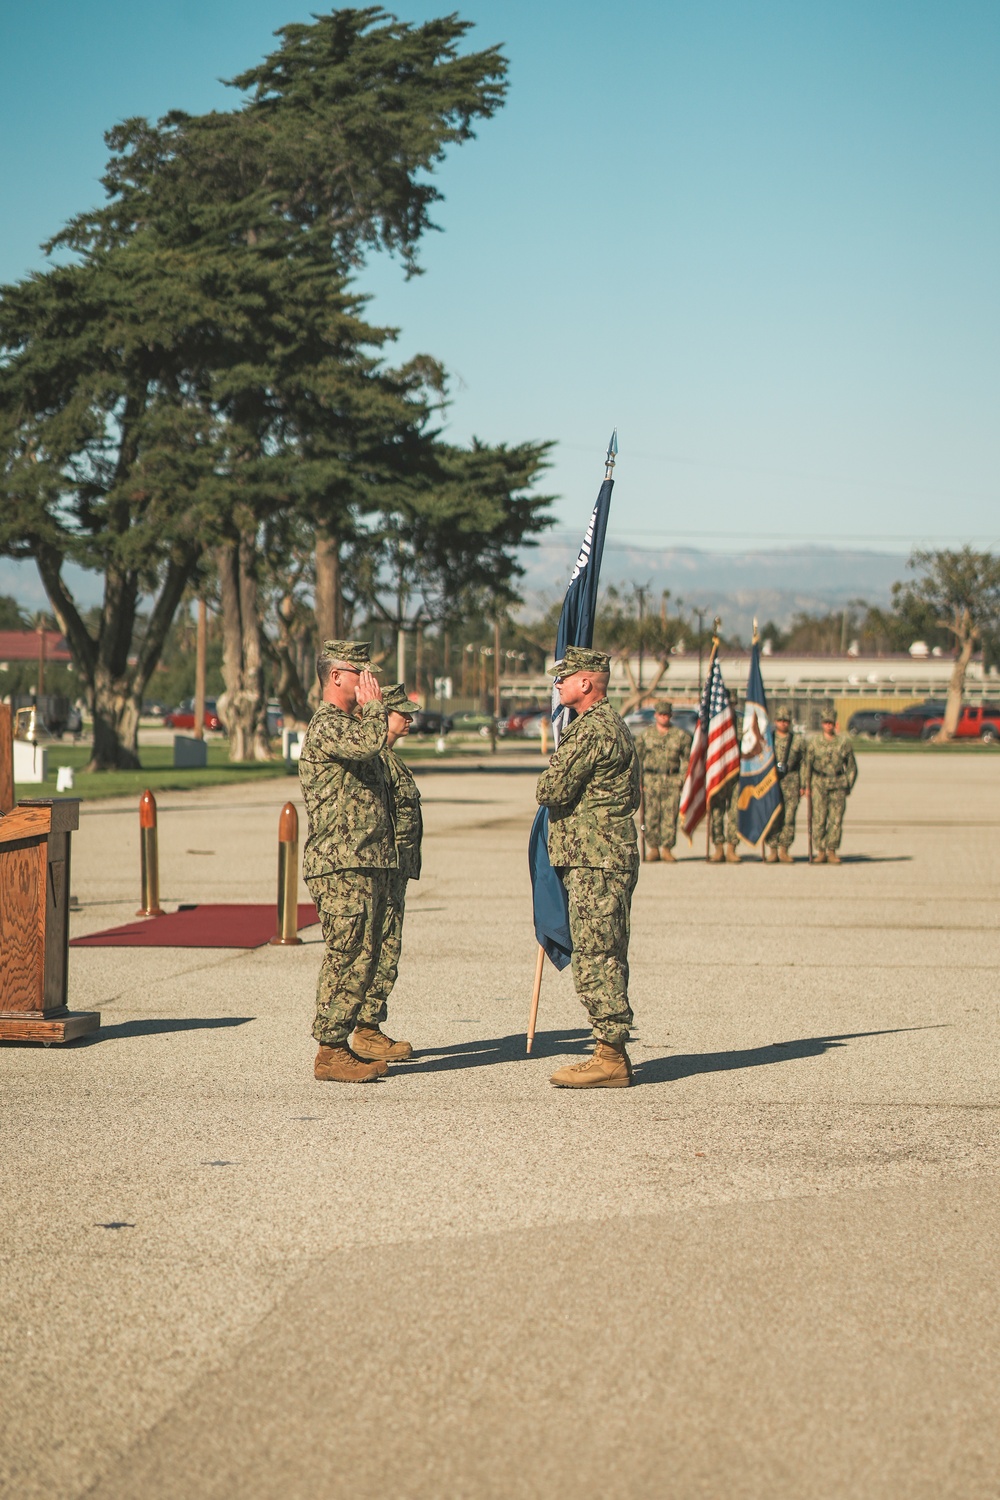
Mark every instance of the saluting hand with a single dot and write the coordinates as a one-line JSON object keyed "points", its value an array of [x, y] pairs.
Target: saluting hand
{"points": [[368, 689]]}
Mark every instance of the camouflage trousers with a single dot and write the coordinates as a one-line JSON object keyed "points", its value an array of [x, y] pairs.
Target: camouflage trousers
{"points": [[782, 832], [351, 905], [373, 1007], [828, 803], [725, 810], [600, 904], [661, 797]]}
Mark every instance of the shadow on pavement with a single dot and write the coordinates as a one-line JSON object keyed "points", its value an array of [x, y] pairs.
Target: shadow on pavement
{"points": [[154, 1027], [498, 1049], [670, 1069]]}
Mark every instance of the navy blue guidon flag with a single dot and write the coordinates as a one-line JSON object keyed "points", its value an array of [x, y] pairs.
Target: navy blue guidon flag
{"points": [[760, 799], [576, 628]]}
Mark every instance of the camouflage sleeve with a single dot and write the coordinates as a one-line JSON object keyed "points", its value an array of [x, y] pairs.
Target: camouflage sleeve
{"points": [[640, 749], [806, 767], [851, 767], [569, 770], [340, 736], [686, 744]]}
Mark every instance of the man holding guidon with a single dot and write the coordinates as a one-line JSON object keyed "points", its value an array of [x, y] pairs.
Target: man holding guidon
{"points": [[591, 790]]}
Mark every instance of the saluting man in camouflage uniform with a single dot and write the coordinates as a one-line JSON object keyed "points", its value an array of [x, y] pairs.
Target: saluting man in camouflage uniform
{"points": [[591, 789], [830, 774], [349, 853], [789, 755], [663, 756], [404, 801]]}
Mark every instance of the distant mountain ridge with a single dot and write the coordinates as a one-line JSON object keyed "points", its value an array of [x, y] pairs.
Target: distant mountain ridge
{"points": [[771, 585]]}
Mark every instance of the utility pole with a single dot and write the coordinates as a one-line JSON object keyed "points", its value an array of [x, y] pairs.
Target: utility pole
{"points": [[496, 668], [701, 613], [641, 589], [199, 671], [41, 656]]}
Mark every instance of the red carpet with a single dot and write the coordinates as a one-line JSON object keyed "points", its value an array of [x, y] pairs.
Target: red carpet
{"points": [[198, 927]]}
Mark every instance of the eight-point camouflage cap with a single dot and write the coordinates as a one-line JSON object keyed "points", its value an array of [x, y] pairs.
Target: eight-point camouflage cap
{"points": [[395, 701], [352, 653], [580, 659], [664, 706], [828, 716], [783, 712]]}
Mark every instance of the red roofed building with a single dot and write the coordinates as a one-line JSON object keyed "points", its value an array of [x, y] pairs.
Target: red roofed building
{"points": [[22, 645]]}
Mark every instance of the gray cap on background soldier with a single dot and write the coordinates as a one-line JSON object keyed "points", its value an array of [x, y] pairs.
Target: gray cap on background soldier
{"points": [[396, 701], [664, 708], [580, 659]]}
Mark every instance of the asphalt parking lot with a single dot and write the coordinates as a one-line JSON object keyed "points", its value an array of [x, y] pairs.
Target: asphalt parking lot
{"points": [[767, 1271]]}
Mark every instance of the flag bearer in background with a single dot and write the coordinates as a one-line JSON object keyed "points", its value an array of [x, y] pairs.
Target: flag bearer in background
{"points": [[790, 754], [663, 756], [725, 814], [591, 790], [350, 850], [404, 800], [830, 774]]}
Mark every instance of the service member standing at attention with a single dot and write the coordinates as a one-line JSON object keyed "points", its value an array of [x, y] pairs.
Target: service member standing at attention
{"points": [[404, 801], [663, 756], [591, 789], [789, 755], [350, 851], [831, 772]]}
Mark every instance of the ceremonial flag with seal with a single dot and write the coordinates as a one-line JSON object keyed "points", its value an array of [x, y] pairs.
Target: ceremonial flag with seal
{"points": [[576, 628], [715, 751], [760, 799]]}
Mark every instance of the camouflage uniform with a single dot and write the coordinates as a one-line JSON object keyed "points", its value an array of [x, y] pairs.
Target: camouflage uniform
{"points": [[830, 773], [349, 856], [663, 762], [790, 753], [404, 799], [725, 813], [592, 792]]}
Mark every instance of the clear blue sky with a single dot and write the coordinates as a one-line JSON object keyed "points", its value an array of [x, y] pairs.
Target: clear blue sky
{"points": [[763, 239]]}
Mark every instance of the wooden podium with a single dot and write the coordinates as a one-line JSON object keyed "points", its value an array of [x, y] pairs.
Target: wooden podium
{"points": [[34, 923]]}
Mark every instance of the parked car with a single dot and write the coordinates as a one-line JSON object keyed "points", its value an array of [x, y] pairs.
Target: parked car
{"points": [[909, 724], [183, 717], [275, 718], [426, 722], [472, 723], [515, 722], [979, 723], [868, 721]]}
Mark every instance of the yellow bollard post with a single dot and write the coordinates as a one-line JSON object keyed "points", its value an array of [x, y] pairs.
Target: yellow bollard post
{"points": [[149, 858], [288, 879]]}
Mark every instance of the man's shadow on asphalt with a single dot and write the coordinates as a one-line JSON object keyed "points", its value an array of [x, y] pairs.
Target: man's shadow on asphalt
{"points": [[502, 1049], [153, 1027]]}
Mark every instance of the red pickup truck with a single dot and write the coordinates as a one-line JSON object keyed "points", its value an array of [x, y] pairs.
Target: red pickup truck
{"points": [[979, 723]]}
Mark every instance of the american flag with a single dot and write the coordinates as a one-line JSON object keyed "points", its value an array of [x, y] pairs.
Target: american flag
{"points": [[715, 753]]}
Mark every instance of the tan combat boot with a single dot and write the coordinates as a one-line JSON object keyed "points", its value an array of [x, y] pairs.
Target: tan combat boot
{"points": [[373, 1045], [652, 854], [667, 855], [819, 859], [832, 857], [339, 1065], [785, 855], [770, 855], [732, 858], [717, 856], [609, 1068]]}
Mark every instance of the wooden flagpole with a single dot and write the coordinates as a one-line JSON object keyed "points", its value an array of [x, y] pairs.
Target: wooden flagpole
{"points": [[533, 1017]]}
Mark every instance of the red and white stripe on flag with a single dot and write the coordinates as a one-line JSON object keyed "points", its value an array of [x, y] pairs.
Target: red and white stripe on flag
{"points": [[715, 752]]}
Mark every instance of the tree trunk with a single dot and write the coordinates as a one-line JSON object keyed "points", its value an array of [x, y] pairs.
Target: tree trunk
{"points": [[329, 602], [288, 688], [956, 689], [243, 706]]}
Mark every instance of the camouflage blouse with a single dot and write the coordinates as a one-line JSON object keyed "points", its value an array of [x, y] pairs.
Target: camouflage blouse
{"points": [[790, 753], [344, 785], [404, 799], [591, 789], [831, 761], [663, 754]]}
